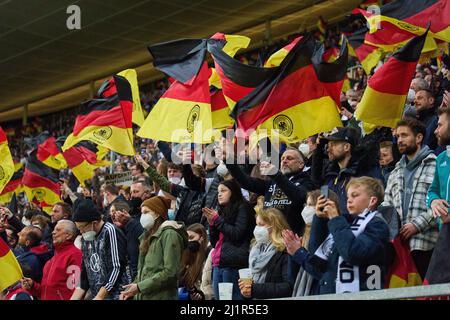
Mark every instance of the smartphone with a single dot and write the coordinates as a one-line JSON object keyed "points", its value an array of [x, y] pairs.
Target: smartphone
{"points": [[324, 191]]}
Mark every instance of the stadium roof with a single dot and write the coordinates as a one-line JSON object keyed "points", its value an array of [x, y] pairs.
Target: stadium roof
{"points": [[48, 67]]}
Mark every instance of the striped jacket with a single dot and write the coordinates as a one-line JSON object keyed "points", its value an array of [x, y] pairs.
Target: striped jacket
{"points": [[105, 262], [418, 214]]}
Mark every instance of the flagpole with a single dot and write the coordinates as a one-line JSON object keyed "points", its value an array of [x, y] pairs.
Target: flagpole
{"points": [[112, 161]]}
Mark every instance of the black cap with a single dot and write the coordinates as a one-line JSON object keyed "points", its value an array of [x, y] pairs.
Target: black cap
{"points": [[346, 134], [84, 210]]}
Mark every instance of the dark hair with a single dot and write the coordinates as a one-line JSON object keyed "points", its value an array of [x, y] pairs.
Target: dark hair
{"points": [[430, 94], [121, 206], [34, 236], [235, 201], [66, 208], [444, 110], [139, 167], [174, 166], [193, 262], [415, 125], [111, 188]]}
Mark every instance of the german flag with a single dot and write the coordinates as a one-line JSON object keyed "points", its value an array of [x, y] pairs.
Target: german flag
{"points": [[10, 268], [384, 98], [401, 20], [403, 271], [368, 55], [48, 152], [14, 186], [6, 161], [220, 112], [237, 79], [84, 158], [301, 100], [183, 113], [107, 121], [40, 183]]}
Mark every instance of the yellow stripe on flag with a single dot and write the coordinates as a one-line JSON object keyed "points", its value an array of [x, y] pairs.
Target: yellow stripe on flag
{"points": [[6, 165], [10, 271], [304, 120], [116, 139], [131, 76], [221, 119], [42, 194], [192, 121], [381, 109]]}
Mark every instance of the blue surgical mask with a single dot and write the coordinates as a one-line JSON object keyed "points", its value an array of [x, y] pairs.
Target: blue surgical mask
{"points": [[171, 214]]}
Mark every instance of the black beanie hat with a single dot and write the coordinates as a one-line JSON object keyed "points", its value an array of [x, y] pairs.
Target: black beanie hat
{"points": [[84, 210]]}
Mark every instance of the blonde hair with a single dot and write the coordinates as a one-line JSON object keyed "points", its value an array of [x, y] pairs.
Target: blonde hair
{"points": [[373, 187], [275, 219]]}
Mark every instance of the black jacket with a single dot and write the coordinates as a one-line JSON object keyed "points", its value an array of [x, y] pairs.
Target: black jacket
{"points": [[237, 231], [277, 284], [286, 193], [133, 231], [364, 162]]}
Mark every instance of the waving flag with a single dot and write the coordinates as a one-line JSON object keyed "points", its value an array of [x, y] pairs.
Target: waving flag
{"points": [[107, 122], [384, 98], [14, 186], [6, 161], [401, 20], [40, 183], [301, 100], [10, 271], [368, 55], [84, 158], [48, 151]]}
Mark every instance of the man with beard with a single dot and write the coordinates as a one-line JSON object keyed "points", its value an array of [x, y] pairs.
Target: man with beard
{"points": [[346, 160], [424, 103], [140, 191], [285, 190], [407, 189], [438, 194]]}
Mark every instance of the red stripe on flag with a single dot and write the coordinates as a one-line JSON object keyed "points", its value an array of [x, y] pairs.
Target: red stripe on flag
{"points": [[393, 77], [4, 249], [2, 136], [194, 92], [11, 186], [112, 117], [230, 89], [218, 101], [33, 180], [285, 95]]}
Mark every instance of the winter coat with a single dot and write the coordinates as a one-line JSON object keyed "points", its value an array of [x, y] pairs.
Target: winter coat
{"points": [[159, 268], [230, 237], [60, 271], [367, 250], [276, 283], [133, 230], [363, 162], [286, 193]]}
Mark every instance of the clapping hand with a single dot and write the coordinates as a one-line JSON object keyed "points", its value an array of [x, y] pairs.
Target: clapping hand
{"points": [[210, 215], [292, 241]]}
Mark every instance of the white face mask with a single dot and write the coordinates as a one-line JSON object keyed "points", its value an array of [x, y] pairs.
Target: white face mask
{"points": [[105, 201], [175, 180], [304, 148], [261, 234], [89, 235], [222, 170], [410, 97], [26, 222], [308, 213], [79, 189], [147, 221]]}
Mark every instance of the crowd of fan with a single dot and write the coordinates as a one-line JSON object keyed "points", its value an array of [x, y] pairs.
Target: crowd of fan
{"points": [[180, 230]]}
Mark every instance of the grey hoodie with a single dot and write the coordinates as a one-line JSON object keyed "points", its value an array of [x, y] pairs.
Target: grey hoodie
{"points": [[409, 169]]}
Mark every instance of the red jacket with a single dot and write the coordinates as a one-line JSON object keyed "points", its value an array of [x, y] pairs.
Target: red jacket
{"points": [[61, 274]]}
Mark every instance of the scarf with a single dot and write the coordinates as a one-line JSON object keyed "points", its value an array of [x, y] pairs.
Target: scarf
{"points": [[347, 278], [258, 259]]}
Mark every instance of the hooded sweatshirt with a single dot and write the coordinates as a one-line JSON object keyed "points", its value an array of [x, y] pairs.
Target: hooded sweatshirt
{"points": [[409, 169]]}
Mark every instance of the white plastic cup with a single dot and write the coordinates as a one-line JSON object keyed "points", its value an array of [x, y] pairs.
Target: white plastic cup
{"points": [[448, 151], [225, 291], [245, 275]]}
